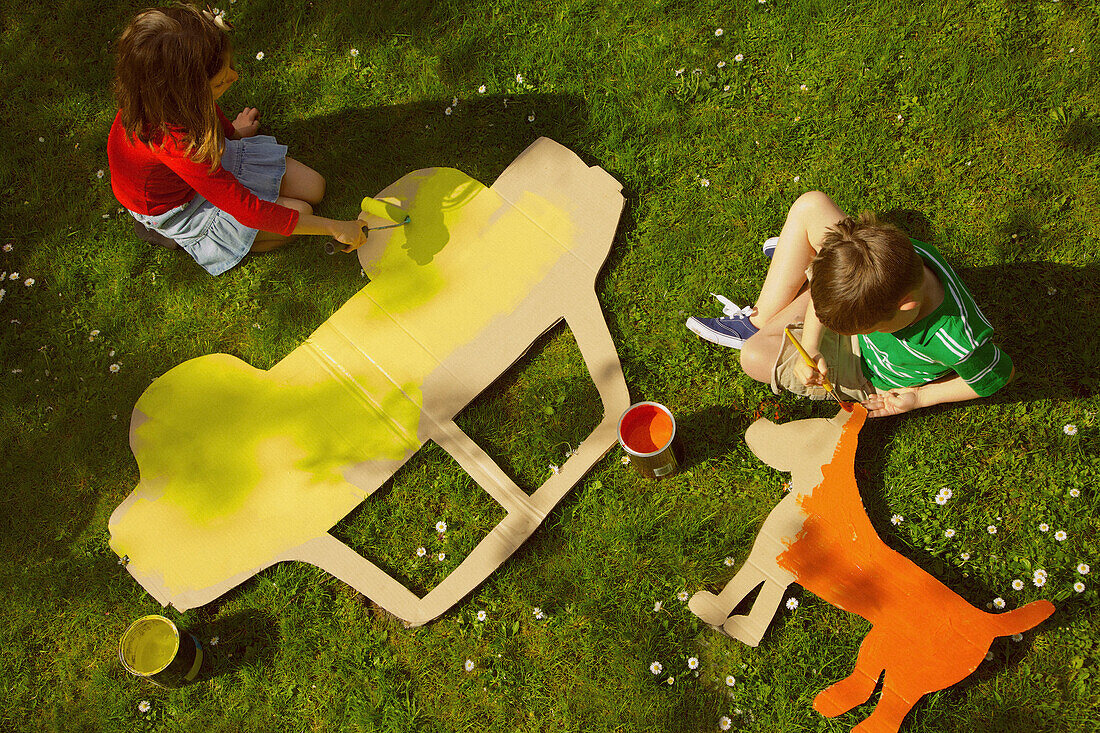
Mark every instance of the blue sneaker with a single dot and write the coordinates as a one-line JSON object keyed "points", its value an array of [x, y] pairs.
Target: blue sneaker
{"points": [[732, 330], [769, 246]]}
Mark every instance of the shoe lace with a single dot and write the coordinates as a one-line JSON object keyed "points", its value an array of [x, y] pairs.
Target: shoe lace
{"points": [[731, 309]]}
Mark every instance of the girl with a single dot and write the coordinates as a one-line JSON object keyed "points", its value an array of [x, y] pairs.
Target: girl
{"points": [[183, 169]]}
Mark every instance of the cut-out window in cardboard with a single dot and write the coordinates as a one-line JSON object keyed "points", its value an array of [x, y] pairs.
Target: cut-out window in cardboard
{"points": [[243, 468], [924, 636]]}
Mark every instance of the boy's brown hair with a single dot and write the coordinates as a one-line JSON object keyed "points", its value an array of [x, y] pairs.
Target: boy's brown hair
{"points": [[165, 60], [861, 273]]}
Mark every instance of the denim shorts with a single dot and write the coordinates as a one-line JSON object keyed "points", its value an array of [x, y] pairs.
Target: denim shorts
{"points": [[212, 237]]}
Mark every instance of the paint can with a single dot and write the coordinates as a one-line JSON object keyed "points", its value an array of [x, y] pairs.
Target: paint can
{"points": [[155, 649], [647, 432]]}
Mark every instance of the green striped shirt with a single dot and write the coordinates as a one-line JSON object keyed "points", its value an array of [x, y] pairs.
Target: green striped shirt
{"points": [[953, 337]]}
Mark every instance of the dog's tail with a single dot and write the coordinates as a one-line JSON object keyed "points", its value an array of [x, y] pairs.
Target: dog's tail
{"points": [[1019, 620]]}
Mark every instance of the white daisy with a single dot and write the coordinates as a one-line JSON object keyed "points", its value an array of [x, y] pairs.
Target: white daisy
{"points": [[721, 64], [1074, 493], [1017, 584], [796, 180], [469, 665], [739, 57], [897, 518], [114, 368], [656, 668], [531, 117], [1060, 535], [991, 529], [941, 499], [554, 469], [949, 533], [441, 526], [519, 78], [7, 247], [29, 281], [724, 723], [260, 56], [144, 706], [481, 89], [625, 460], [965, 555], [729, 561], [1083, 568], [718, 32], [682, 596], [421, 552], [730, 681], [441, 556], [99, 173], [945, 493], [481, 615], [656, 607], [792, 603], [1039, 578], [447, 111], [704, 182], [693, 663], [1017, 637], [1069, 429], [802, 87], [1044, 527], [670, 681], [354, 52], [13, 276], [1079, 586], [998, 602]]}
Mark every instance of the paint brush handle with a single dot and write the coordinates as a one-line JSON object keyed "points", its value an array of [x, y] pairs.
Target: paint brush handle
{"points": [[809, 360]]}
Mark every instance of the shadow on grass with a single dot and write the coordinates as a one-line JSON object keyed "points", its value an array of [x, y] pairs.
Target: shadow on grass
{"points": [[245, 639]]}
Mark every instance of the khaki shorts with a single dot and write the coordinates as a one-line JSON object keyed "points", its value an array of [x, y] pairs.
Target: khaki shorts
{"points": [[845, 371]]}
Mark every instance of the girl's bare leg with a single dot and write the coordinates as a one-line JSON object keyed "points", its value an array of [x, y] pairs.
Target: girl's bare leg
{"points": [[302, 182], [267, 241]]}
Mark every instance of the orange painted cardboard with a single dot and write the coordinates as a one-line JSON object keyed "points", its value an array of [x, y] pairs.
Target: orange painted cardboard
{"points": [[924, 636], [243, 468]]}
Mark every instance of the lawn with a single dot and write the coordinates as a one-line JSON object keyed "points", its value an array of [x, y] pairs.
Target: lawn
{"points": [[975, 125]]}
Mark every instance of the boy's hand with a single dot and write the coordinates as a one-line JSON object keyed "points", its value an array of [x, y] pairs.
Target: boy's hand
{"points": [[892, 402], [247, 123], [812, 377], [352, 234]]}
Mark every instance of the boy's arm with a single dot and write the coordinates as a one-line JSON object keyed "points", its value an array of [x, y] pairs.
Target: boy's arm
{"points": [[811, 342], [946, 389]]}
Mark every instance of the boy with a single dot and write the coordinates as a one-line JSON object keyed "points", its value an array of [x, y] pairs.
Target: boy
{"points": [[884, 316]]}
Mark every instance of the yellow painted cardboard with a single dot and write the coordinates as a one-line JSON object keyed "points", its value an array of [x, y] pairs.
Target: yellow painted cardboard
{"points": [[924, 636], [242, 468]]}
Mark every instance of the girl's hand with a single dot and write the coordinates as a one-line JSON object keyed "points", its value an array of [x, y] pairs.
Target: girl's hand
{"points": [[892, 402], [352, 234], [247, 123], [812, 377]]}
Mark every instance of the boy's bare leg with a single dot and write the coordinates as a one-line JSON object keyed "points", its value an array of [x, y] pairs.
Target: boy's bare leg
{"points": [[807, 221], [267, 241], [783, 299]]}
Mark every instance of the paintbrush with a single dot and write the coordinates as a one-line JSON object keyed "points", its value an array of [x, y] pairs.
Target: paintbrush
{"points": [[810, 363], [378, 208]]}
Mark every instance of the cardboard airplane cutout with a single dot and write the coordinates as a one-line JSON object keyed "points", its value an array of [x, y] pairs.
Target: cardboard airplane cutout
{"points": [[924, 636], [243, 468]]}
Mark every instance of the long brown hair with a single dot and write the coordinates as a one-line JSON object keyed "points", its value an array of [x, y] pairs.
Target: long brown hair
{"points": [[166, 58]]}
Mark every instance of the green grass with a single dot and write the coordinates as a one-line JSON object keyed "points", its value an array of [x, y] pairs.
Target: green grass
{"points": [[976, 125]]}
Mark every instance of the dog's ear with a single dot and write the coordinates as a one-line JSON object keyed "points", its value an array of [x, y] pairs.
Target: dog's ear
{"points": [[794, 445]]}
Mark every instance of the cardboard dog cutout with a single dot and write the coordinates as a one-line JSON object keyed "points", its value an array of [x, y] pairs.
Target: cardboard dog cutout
{"points": [[924, 636], [242, 468]]}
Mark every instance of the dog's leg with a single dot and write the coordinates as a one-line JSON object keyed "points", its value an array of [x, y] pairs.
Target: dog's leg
{"points": [[751, 627], [888, 714], [715, 609], [856, 687]]}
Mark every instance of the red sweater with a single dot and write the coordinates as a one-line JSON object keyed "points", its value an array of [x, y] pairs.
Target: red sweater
{"points": [[150, 180]]}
